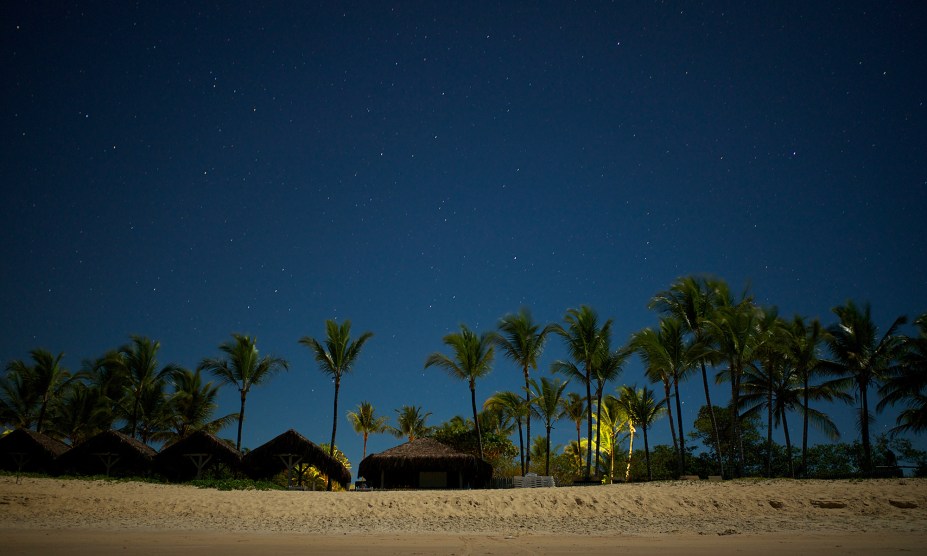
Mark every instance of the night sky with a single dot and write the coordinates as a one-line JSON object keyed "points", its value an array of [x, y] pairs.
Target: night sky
{"points": [[186, 172]]}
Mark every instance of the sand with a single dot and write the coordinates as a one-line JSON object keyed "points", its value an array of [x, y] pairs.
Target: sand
{"points": [[678, 517]]}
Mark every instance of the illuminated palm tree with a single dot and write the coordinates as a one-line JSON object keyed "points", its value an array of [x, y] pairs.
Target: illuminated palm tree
{"points": [[642, 410], [244, 368], [608, 369], [584, 340], [336, 356], [612, 420], [472, 359], [860, 358], [365, 422], [521, 340]]}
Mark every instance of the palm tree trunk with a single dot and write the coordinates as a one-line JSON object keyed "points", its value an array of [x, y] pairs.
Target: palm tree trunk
{"points": [[735, 418], [788, 444], [38, 425], [526, 454], [521, 448], [647, 454], [476, 419], [365, 446], [331, 447], [627, 472], [611, 466], [769, 428], [669, 414], [864, 426], [804, 427], [241, 419], [547, 452], [714, 422], [682, 436], [598, 427], [589, 423]]}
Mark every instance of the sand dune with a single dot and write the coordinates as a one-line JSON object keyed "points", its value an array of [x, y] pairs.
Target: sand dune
{"points": [[771, 511]]}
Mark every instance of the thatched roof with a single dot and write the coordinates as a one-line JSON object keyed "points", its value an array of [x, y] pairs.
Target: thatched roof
{"points": [[264, 461], [26, 450], [423, 454], [127, 455], [174, 462]]}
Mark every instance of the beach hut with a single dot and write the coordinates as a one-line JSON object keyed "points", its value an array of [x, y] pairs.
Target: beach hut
{"points": [[26, 450], [189, 458], [108, 453], [424, 463], [288, 450]]}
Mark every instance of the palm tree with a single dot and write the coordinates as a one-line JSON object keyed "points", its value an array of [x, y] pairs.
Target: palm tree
{"points": [[243, 368], [522, 341], [692, 300], [642, 409], [766, 377], [584, 339], [192, 406], [908, 384], [546, 403], [861, 359], [669, 358], [472, 359], [410, 423], [82, 412], [515, 407], [574, 409], [608, 369], [46, 377], [335, 358], [18, 399], [365, 422], [612, 421], [137, 363], [735, 333], [802, 344]]}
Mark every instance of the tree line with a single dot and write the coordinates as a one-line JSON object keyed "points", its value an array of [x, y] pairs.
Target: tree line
{"points": [[776, 368]]}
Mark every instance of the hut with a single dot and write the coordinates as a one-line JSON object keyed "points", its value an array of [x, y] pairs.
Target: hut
{"points": [[424, 463], [109, 453], [26, 450], [189, 458], [288, 450]]}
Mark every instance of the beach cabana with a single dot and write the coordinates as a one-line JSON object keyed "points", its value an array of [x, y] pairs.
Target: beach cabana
{"points": [[424, 463], [108, 453], [189, 458], [288, 450], [26, 450]]}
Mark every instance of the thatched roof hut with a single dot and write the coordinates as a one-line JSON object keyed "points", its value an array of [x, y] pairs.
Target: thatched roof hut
{"points": [[290, 449], [109, 453], [188, 458], [424, 463], [26, 450]]}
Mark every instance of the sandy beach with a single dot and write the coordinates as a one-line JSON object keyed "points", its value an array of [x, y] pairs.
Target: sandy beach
{"points": [[755, 516]]}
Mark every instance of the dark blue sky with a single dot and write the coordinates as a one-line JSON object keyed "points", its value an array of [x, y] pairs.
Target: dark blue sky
{"points": [[188, 172]]}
